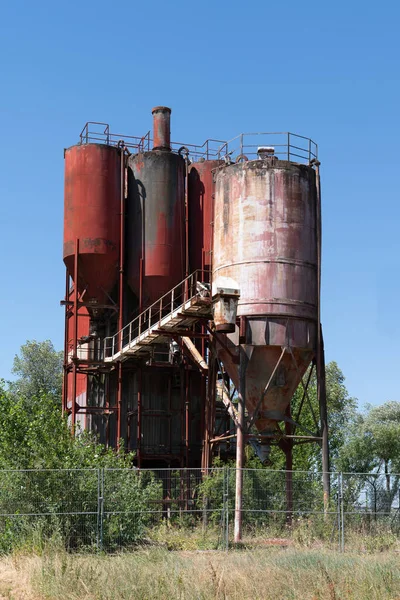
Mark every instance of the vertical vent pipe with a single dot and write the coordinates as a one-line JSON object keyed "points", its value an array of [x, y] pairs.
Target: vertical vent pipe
{"points": [[161, 128]]}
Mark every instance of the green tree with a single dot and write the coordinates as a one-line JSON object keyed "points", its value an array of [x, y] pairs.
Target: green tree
{"points": [[39, 369], [35, 435], [342, 414], [374, 448], [374, 444]]}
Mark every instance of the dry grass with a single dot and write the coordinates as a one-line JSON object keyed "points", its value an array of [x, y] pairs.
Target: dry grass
{"points": [[156, 574]]}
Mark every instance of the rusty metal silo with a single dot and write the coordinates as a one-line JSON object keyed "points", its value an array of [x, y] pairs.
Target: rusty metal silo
{"points": [[155, 213], [265, 244], [91, 217], [201, 192], [91, 254]]}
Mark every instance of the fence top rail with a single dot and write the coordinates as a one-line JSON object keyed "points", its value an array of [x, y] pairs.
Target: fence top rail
{"points": [[370, 474], [133, 469], [231, 468], [61, 469], [288, 471]]}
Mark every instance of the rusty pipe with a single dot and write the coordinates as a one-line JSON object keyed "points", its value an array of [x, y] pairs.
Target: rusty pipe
{"points": [[65, 363], [161, 128], [185, 152], [75, 337], [123, 191], [187, 417], [121, 145], [122, 243]]}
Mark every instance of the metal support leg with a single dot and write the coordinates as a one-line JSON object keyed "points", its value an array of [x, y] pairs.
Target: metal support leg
{"points": [[289, 472], [119, 404], [209, 413], [139, 376], [321, 385], [240, 449], [66, 330], [75, 338], [320, 358]]}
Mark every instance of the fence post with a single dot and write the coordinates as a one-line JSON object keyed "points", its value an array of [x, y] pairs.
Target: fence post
{"points": [[342, 507], [340, 511], [100, 507], [223, 520], [225, 508]]}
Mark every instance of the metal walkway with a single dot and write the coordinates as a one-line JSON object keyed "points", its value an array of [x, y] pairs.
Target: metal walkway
{"points": [[176, 311]]}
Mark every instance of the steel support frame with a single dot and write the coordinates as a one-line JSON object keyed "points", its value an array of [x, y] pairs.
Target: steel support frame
{"points": [[289, 437]]}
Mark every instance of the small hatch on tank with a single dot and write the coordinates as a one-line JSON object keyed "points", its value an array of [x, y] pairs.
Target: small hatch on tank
{"points": [[264, 152]]}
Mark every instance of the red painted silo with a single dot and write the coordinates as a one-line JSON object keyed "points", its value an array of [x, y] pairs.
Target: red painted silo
{"points": [[155, 217], [91, 215], [201, 192]]}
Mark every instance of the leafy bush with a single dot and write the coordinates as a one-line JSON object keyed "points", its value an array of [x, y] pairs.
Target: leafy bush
{"points": [[57, 486]]}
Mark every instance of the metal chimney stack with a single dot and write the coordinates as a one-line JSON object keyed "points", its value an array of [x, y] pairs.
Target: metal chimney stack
{"points": [[161, 128]]}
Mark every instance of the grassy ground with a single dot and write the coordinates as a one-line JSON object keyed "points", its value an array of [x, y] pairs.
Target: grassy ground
{"points": [[263, 574]]}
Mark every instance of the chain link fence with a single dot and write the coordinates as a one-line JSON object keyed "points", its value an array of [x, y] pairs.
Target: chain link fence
{"points": [[114, 509]]}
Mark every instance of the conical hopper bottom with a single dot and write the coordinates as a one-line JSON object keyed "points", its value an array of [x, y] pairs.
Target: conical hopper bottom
{"points": [[289, 367], [260, 363]]}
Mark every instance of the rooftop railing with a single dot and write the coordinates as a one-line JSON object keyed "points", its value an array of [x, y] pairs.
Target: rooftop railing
{"points": [[251, 146]]}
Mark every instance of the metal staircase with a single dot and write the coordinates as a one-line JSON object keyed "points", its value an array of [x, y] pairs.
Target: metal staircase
{"points": [[175, 312]]}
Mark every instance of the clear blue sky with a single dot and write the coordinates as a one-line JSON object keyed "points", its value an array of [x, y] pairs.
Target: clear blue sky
{"points": [[329, 71]]}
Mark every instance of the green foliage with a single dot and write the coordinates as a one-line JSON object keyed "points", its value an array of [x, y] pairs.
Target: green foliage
{"points": [[183, 536], [374, 447], [382, 427], [53, 484], [132, 501], [36, 436], [73, 491], [342, 413], [374, 443], [264, 495], [93, 508], [39, 369], [307, 531]]}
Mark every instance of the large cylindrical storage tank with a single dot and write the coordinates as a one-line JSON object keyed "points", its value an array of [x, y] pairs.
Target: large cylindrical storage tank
{"points": [[201, 188], [155, 218], [92, 215], [265, 244]]}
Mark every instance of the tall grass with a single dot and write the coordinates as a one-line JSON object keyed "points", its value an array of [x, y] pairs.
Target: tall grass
{"points": [[161, 575]]}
